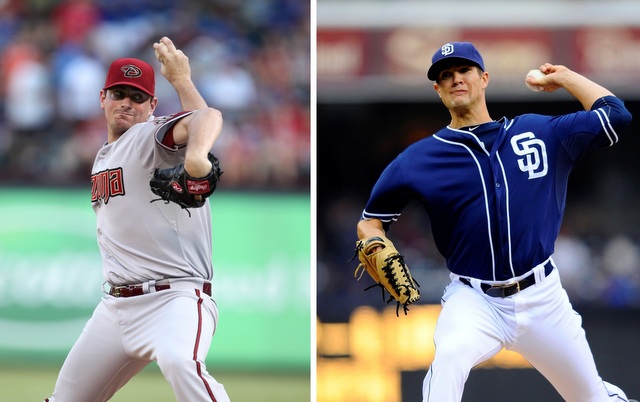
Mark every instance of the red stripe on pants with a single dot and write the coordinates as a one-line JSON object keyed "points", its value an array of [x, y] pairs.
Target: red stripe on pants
{"points": [[197, 345]]}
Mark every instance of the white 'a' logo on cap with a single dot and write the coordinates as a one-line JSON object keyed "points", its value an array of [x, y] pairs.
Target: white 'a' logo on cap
{"points": [[447, 49]]}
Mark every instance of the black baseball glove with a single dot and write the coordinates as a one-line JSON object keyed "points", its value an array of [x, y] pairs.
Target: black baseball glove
{"points": [[175, 185]]}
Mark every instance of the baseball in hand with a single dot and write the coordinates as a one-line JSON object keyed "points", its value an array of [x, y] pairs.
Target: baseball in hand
{"points": [[535, 74]]}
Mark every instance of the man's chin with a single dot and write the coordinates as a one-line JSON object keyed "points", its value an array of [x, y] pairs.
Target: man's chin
{"points": [[122, 125]]}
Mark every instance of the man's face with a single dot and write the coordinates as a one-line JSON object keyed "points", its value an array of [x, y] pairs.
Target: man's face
{"points": [[461, 86], [125, 106]]}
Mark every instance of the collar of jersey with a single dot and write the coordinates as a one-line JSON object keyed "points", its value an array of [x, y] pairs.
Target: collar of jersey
{"points": [[479, 128]]}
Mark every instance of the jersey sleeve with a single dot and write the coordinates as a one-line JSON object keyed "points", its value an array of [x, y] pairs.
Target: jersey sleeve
{"points": [[164, 130], [153, 141], [596, 128], [157, 141], [389, 195], [614, 117]]}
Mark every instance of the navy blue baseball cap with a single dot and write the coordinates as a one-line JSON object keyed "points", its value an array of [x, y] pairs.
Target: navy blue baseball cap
{"points": [[449, 53]]}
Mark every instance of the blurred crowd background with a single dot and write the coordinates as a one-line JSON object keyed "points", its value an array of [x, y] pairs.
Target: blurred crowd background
{"points": [[248, 59]]}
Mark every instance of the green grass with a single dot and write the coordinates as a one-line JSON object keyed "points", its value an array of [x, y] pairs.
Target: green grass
{"points": [[33, 384]]}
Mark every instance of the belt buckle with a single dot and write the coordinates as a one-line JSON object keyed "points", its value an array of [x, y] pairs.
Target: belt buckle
{"points": [[115, 291], [507, 285], [505, 289], [517, 286], [511, 289]]}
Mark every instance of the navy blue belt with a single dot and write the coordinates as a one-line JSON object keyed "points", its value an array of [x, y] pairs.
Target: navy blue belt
{"points": [[509, 289]]}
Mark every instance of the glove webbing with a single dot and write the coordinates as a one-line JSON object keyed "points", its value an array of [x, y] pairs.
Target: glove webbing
{"points": [[389, 274], [405, 307]]}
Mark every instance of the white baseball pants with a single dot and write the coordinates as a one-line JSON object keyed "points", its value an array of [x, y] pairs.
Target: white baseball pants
{"points": [[539, 323], [172, 327]]}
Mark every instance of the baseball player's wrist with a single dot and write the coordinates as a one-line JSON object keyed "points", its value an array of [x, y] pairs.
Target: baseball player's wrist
{"points": [[182, 82], [197, 167]]}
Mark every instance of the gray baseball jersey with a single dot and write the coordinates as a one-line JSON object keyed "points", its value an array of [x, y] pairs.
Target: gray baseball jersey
{"points": [[141, 240]]}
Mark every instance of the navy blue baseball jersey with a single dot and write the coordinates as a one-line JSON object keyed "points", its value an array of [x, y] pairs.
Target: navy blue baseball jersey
{"points": [[495, 193]]}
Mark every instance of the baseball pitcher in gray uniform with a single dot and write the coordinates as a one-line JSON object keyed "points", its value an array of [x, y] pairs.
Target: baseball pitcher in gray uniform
{"points": [[156, 256]]}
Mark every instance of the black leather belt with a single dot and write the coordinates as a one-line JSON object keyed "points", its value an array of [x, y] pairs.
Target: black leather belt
{"points": [[138, 290], [509, 289]]}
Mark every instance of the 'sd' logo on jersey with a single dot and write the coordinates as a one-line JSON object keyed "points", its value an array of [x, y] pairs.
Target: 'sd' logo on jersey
{"points": [[106, 184], [131, 71], [533, 152]]}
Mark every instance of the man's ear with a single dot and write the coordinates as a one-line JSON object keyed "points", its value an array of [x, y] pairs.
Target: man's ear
{"points": [[485, 79], [437, 88], [103, 95], [153, 103]]}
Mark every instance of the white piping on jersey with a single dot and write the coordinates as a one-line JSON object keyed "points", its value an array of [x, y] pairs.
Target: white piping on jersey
{"points": [[507, 124], [506, 185], [611, 133], [386, 218], [475, 137], [484, 190]]}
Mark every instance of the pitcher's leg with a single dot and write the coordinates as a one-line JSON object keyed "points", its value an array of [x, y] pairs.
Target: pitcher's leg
{"points": [[556, 345], [97, 365], [184, 346], [467, 334]]}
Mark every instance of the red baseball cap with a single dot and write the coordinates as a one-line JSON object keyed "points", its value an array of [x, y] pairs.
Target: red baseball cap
{"points": [[133, 72]]}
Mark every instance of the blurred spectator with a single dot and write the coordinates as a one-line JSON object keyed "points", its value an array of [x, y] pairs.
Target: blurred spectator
{"points": [[621, 260], [577, 267], [29, 110], [74, 20], [232, 88], [80, 78]]}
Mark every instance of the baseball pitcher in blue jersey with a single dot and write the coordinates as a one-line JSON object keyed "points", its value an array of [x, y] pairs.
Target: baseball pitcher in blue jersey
{"points": [[495, 193]]}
